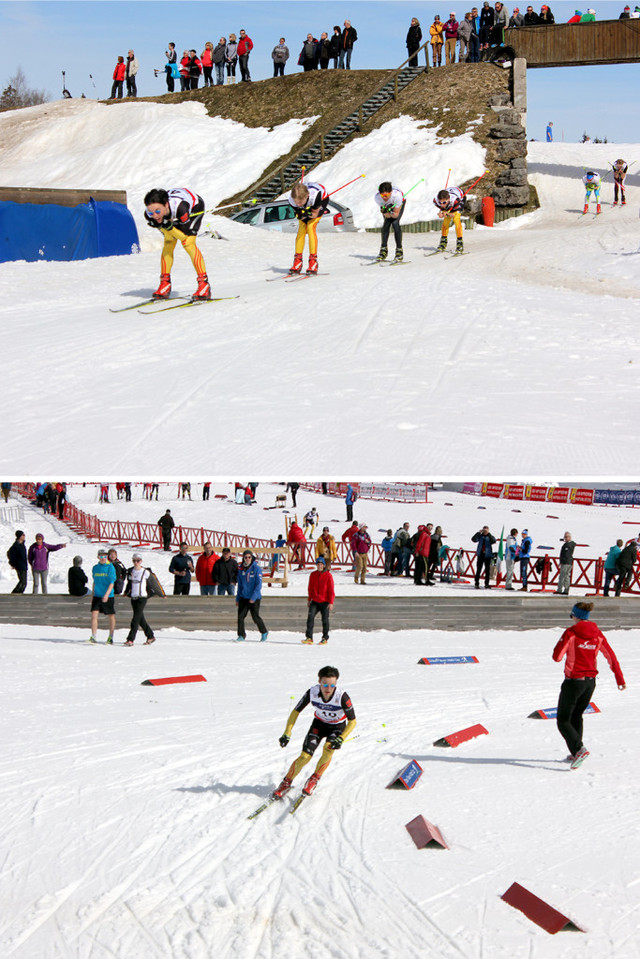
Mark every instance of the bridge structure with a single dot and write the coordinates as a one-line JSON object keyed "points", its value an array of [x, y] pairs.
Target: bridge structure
{"points": [[576, 44]]}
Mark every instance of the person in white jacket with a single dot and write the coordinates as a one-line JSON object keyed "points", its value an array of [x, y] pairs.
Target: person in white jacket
{"points": [[130, 74]]}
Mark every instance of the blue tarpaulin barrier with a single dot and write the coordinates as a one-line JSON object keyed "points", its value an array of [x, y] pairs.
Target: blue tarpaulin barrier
{"points": [[33, 231]]}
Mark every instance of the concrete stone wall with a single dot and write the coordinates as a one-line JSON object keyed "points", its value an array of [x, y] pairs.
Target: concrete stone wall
{"points": [[512, 182]]}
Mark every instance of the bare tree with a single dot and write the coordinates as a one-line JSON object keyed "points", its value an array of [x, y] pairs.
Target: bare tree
{"points": [[18, 94]]}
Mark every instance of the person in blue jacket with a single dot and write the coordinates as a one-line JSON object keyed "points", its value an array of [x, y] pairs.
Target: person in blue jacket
{"points": [[484, 553], [524, 555], [248, 596], [610, 571], [350, 499]]}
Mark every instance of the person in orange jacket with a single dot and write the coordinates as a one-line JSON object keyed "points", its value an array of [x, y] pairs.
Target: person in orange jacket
{"points": [[118, 79], [580, 644]]}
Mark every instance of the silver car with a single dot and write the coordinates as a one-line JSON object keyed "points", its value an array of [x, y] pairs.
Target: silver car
{"points": [[280, 215]]}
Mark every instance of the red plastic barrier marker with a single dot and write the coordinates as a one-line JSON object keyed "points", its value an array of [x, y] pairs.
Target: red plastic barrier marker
{"points": [[552, 517], [424, 833], [454, 739], [537, 910], [173, 679]]}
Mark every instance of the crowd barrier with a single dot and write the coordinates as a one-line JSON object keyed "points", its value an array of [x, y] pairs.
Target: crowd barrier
{"points": [[392, 492], [543, 570], [575, 495]]}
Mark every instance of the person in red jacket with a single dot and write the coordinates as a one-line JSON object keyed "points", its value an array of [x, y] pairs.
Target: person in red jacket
{"points": [[118, 79], [245, 46], [204, 570], [321, 593], [421, 552], [295, 542], [581, 644]]}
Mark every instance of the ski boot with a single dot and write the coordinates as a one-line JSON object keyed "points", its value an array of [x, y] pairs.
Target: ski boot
{"points": [[598, 209], [459, 245], [163, 291], [623, 202], [312, 268], [204, 290], [282, 789], [382, 255], [310, 784], [297, 264], [442, 245], [615, 202], [586, 209], [398, 258]]}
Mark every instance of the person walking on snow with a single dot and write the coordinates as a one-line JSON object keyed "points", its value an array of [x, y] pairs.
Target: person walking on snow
{"points": [[581, 644], [620, 169], [249, 596], [334, 720], [592, 182], [321, 594], [392, 202], [450, 204], [177, 213], [102, 601], [524, 555], [309, 201]]}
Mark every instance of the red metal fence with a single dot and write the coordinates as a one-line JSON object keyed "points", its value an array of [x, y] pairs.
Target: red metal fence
{"points": [[587, 574]]}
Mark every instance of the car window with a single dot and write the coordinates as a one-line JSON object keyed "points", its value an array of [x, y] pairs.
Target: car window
{"points": [[248, 216]]}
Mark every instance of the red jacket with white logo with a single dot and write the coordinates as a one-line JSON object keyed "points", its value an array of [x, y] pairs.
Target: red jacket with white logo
{"points": [[581, 644]]}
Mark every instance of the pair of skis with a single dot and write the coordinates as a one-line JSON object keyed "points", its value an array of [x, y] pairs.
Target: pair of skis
{"points": [[272, 799], [185, 301], [293, 277]]}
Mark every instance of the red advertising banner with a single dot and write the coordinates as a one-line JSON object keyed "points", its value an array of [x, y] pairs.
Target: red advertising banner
{"points": [[537, 494], [514, 492], [582, 497], [558, 494], [494, 489]]}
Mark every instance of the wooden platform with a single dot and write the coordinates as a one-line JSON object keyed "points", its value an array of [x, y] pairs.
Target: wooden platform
{"points": [[469, 612], [577, 44], [13, 194]]}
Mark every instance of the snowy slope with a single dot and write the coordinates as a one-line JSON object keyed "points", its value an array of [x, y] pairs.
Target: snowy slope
{"points": [[522, 355], [594, 529], [123, 808]]}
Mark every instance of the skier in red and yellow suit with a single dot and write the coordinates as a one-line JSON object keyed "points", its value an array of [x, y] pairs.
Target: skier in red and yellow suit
{"points": [[177, 213], [309, 200], [450, 204]]}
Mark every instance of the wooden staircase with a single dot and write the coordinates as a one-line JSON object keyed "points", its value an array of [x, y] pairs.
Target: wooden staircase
{"points": [[317, 151]]}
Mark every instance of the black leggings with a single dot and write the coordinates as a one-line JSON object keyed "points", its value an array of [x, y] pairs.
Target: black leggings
{"points": [[575, 696], [138, 620], [388, 224], [244, 607]]}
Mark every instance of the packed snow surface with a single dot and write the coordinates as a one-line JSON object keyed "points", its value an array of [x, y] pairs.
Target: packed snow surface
{"points": [[124, 807], [594, 529], [522, 355]]}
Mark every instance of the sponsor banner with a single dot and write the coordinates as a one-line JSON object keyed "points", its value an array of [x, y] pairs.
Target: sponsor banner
{"points": [[473, 489], [582, 497], [493, 489], [513, 492], [558, 494], [537, 494], [401, 492]]}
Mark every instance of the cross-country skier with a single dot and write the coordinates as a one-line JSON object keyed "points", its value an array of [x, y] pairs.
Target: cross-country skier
{"points": [[177, 213], [309, 200], [592, 183], [450, 203], [391, 201], [620, 169], [334, 720], [581, 644]]}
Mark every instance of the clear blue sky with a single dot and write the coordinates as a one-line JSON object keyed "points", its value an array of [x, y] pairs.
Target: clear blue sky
{"points": [[84, 38]]}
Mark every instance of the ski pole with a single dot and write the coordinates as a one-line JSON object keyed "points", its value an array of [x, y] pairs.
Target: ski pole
{"points": [[414, 186], [474, 182], [349, 183], [448, 175]]}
